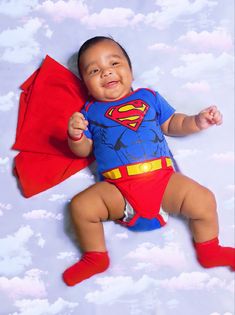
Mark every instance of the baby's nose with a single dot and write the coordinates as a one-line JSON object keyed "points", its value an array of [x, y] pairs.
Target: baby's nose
{"points": [[107, 72]]}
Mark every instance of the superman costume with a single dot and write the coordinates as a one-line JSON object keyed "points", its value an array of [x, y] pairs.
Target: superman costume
{"points": [[126, 133], [132, 152]]}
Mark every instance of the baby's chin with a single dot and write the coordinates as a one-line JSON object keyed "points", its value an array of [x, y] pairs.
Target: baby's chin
{"points": [[115, 96]]}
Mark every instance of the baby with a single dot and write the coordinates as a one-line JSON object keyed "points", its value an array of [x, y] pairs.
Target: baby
{"points": [[125, 130]]}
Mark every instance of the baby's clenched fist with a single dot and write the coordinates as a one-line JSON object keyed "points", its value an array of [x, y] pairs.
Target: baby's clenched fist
{"points": [[77, 124]]}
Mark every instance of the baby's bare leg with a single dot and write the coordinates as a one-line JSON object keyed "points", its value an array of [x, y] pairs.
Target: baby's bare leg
{"points": [[100, 202], [185, 196]]}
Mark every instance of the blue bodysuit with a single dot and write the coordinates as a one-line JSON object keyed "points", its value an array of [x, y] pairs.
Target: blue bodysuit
{"points": [[130, 148]]}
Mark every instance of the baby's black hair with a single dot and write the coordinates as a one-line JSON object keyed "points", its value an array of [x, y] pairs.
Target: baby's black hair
{"points": [[94, 40]]}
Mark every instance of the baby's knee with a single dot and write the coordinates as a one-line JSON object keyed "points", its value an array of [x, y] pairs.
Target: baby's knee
{"points": [[77, 206], [209, 201], [209, 198], [88, 205]]}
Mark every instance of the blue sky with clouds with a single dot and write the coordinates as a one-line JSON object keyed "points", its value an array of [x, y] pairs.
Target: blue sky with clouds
{"points": [[184, 49]]}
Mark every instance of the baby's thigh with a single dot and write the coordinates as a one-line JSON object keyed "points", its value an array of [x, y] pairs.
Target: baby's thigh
{"points": [[184, 195]]}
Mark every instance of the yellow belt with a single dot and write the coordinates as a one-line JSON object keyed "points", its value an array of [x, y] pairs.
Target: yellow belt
{"points": [[136, 169]]}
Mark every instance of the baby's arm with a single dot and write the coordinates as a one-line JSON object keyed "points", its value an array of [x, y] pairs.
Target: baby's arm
{"points": [[181, 124], [78, 143]]}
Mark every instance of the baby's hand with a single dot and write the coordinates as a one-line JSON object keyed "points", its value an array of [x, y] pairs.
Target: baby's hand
{"points": [[77, 124], [209, 117]]}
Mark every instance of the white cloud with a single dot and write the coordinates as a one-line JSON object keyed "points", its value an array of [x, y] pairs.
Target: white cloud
{"points": [[203, 65], [77, 9], [171, 10], [116, 17], [193, 281], [64, 255], [169, 235], [4, 164], [19, 45], [40, 240], [48, 31], [3, 207], [223, 157], [59, 10], [185, 153], [30, 285], [6, 102], [4, 161], [137, 19], [218, 40], [42, 307], [143, 266], [84, 174], [162, 47], [200, 86], [122, 235], [16, 8], [158, 257], [14, 255], [112, 288], [150, 78], [55, 197], [42, 214]]}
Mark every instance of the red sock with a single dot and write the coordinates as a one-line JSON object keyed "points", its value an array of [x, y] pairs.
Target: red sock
{"points": [[90, 264], [211, 254]]}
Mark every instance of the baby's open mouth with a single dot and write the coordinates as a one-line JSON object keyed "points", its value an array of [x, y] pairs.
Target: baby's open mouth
{"points": [[110, 84]]}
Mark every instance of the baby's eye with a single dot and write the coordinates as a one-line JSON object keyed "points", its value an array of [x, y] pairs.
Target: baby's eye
{"points": [[115, 63], [93, 71]]}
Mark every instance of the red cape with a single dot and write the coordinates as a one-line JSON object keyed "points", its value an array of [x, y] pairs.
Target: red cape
{"points": [[48, 98]]}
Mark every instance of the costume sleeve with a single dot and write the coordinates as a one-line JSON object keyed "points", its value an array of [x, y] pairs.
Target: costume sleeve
{"points": [[164, 108]]}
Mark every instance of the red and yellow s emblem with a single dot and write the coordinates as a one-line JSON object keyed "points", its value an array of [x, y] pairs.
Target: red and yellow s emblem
{"points": [[128, 114]]}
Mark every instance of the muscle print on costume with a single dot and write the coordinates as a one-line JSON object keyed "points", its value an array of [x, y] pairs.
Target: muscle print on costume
{"points": [[128, 130]]}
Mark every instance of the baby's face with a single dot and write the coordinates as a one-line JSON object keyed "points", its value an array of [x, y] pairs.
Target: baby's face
{"points": [[106, 72]]}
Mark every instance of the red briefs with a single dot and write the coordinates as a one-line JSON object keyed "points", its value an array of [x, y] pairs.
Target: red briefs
{"points": [[143, 191]]}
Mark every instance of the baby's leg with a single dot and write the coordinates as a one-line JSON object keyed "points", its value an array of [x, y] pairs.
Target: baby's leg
{"points": [[100, 202], [187, 197]]}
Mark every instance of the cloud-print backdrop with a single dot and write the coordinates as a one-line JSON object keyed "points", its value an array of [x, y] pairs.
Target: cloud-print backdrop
{"points": [[183, 49]]}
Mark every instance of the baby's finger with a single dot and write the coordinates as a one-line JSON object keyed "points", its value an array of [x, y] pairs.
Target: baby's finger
{"points": [[82, 124], [218, 118], [212, 109], [77, 115], [206, 114], [77, 118]]}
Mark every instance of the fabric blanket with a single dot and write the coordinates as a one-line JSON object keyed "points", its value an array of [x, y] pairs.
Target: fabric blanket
{"points": [[48, 98]]}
